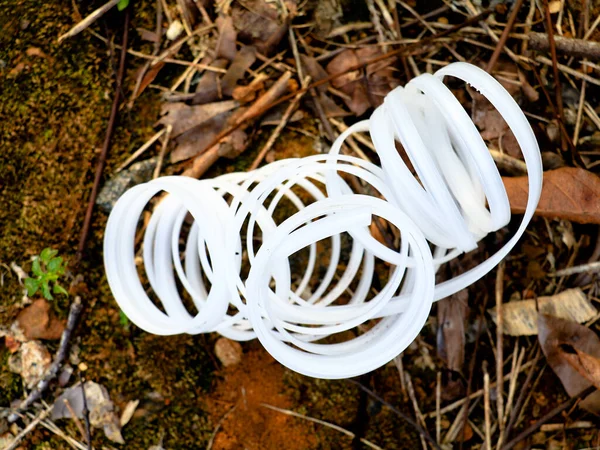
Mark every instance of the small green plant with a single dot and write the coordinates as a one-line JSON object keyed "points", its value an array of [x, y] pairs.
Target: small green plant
{"points": [[47, 269]]}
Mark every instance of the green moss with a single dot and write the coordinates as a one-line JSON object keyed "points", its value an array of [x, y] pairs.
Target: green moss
{"points": [[10, 383]]}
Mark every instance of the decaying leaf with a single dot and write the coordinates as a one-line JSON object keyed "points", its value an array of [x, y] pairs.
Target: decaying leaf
{"points": [[367, 87], [226, 47], [587, 365], [452, 313], [183, 117], [39, 322], [520, 318], [31, 362], [207, 89], [315, 70], [100, 406], [554, 334], [568, 193], [240, 64], [258, 23]]}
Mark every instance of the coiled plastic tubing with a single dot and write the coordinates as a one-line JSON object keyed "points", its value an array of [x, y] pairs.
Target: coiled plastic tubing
{"points": [[221, 255]]}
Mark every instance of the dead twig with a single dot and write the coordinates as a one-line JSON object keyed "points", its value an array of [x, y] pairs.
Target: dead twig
{"points": [[106, 145], [499, 347], [399, 413], [486, 408], [28, 429], [277, 131], [63, 347], [204, 161], [86, 413], [89, 20], [75, 418], [504, 37], [350, 434], [163, 152], [542, 420], [578, 48]]}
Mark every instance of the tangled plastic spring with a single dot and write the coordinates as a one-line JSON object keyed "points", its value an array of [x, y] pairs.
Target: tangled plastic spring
{"points": [[207, 275]]}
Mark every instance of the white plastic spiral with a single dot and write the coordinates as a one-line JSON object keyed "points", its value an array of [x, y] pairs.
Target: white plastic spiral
{"points": [[454, 198]]}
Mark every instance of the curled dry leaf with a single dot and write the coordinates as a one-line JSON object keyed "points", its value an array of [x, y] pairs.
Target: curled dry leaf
{"points": [[520, 318], [568, 193], [555, 336], [587, 365], [366, 87], [183, 117]]}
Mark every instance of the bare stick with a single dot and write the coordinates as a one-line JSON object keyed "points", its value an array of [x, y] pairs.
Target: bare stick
{"points": [[28, 429], [486, 408], [63, 346], [542, 420], [321, 422], [142, 149], [578, 48], [418, 415], [277, 131], [106, 145], [163, 151], [438, 402], [504, 37], [86, 414], [476, 394], [500, 346], [214, 434], [89, 20], [75, 418], [584, 268]]}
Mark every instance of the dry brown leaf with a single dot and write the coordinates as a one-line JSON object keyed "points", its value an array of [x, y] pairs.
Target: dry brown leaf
{"points": [[554, 334], [39, 322], [452, 313], [195, 141], [315, 70], [207, 89], [183, 117], [568, 193], [240, 64], [226, 47], [258, 23], [149, 77], [366, 87], [520, 318], [587, 365]]}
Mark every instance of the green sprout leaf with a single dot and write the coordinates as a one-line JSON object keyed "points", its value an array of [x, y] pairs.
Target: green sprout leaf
{"points": [[123, 320], [36, 267], [46, 290], [58, 289], [47, 254], [55, 265], [122, 5], [32, 285]]}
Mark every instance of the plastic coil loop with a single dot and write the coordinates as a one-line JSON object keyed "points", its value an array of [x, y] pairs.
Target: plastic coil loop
{"points": [[199, 246]]}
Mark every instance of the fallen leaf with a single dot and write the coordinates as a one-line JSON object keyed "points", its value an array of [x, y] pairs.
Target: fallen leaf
{"points": [[553, 335], [147, 35], [39, 322], [207, 89], [587, 365], [195, 141], [149, 77], [258, 23], [183, 117], [100, 406], [366, 87], [520, 318], [315, 70], [451, 315], [240, 64], [226, 47], [568, 193]]}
